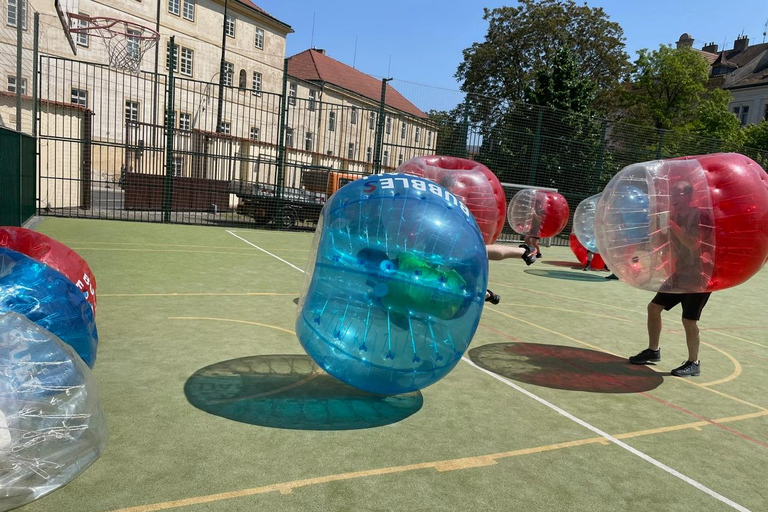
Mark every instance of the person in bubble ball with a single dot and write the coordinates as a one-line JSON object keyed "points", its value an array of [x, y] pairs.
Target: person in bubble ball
{"points": [[684, 225], [531, 240], [498, 252]]}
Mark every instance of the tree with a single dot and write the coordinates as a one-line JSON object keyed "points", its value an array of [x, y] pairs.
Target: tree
{"points": [[668, 87], [451, 131], [522, 39], [756, 136], [714, 120], [560, 85]]}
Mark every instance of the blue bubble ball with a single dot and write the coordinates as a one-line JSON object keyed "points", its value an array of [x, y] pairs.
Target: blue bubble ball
{"points": [[48, 299], [395, 284]]}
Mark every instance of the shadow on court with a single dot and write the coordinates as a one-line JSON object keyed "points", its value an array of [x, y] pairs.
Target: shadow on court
{"points": [[569, 368], [290, 391], [568, 276], [565, 264]]}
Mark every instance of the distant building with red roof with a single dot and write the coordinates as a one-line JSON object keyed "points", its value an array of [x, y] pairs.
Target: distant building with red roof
{"points": [[345, 106]]}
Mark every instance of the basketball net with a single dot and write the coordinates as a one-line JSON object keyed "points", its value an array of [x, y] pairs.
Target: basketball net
{"points": [[126, 42]]}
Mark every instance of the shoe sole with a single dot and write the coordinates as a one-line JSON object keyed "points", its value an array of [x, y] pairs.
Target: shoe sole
{"points": [[646, 362], [685, 374]]}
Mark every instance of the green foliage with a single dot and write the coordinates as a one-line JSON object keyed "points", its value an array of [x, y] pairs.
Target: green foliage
{"points": [[668, 87], [562, 86], [451, 131], [713, 119], [756, 135], [523, 39]]}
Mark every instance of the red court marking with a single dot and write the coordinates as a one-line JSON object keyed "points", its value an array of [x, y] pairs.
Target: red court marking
{"points": [[661, 401]]}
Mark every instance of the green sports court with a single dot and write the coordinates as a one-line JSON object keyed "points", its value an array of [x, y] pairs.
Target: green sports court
{"points": [[212, 404]]}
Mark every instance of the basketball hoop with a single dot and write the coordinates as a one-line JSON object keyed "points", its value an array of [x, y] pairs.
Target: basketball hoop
{"points": [[126, 41]]}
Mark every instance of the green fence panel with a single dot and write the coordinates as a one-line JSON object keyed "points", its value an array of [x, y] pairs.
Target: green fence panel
{"points": [[17, 177]]}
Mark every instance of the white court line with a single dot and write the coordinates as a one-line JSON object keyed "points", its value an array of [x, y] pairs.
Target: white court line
{"points": [[573, 418], [267, 252], [612, 439]]}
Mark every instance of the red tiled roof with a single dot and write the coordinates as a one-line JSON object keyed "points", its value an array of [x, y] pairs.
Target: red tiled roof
{"points": [[313, 65]]}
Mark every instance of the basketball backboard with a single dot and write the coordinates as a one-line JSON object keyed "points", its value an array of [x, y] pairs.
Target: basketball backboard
{"points": [[63, 9]]}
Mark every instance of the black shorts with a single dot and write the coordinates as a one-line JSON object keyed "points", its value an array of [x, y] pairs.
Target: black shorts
{"points": [[692, 303]]}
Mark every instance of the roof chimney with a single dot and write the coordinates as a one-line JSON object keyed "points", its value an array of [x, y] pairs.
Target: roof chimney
{"points": [[710, 48], [741, 43], [685, 41]]}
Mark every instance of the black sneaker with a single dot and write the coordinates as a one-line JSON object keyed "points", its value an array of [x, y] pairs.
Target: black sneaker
{"points": [[529, 257], [688, 369], [492, 297], [646, 356]]}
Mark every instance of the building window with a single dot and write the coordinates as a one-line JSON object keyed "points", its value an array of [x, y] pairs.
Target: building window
{"points": [[259, 40], [225, 128], [254, 133], [132, 44], [177, 166], [312, 99], [742, 113], [189, 10], [418, 133], [765, 112], [385, 158], [229, 26], [331, 121], [175, 56], [13, 13], [241, 82], [353, 116], [351, 151], [309, 140], [185, 121], [402, 130], [80, 97], [289, 137], [368, 154], [132, 111], [174, 6], [229, 71], [372, 120], [12, 85], [400, 159], [429, 138], [389, 125], [256, 83], [187, 58], [81, 38], [292, 93]]}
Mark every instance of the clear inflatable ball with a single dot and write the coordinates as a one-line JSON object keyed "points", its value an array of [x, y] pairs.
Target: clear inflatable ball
{"points": [[584, 223], [538, 213], [51, 423]]}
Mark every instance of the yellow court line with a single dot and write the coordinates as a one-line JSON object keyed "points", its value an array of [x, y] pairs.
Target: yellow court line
{"points": [[600, 349], [737, 369], [201, 294], [230, 320], [440, 466]]}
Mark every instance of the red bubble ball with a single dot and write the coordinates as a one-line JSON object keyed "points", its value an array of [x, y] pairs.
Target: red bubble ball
{"points": [[581, 253], [538, 213], [54, 254], [476, 185]]}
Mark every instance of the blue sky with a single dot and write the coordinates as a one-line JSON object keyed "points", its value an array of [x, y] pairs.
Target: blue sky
{"points": [[421, 41]]}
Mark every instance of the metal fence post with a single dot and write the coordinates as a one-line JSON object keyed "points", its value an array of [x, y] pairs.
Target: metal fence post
{"points": [[169, 132], [379, 140], [19, 50], [465, 130], [35, 71], [281, 143]]}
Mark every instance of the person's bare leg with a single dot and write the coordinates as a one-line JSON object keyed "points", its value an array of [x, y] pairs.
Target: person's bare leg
{"points": [[692, 338], [654, 325], [499, 252]]}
